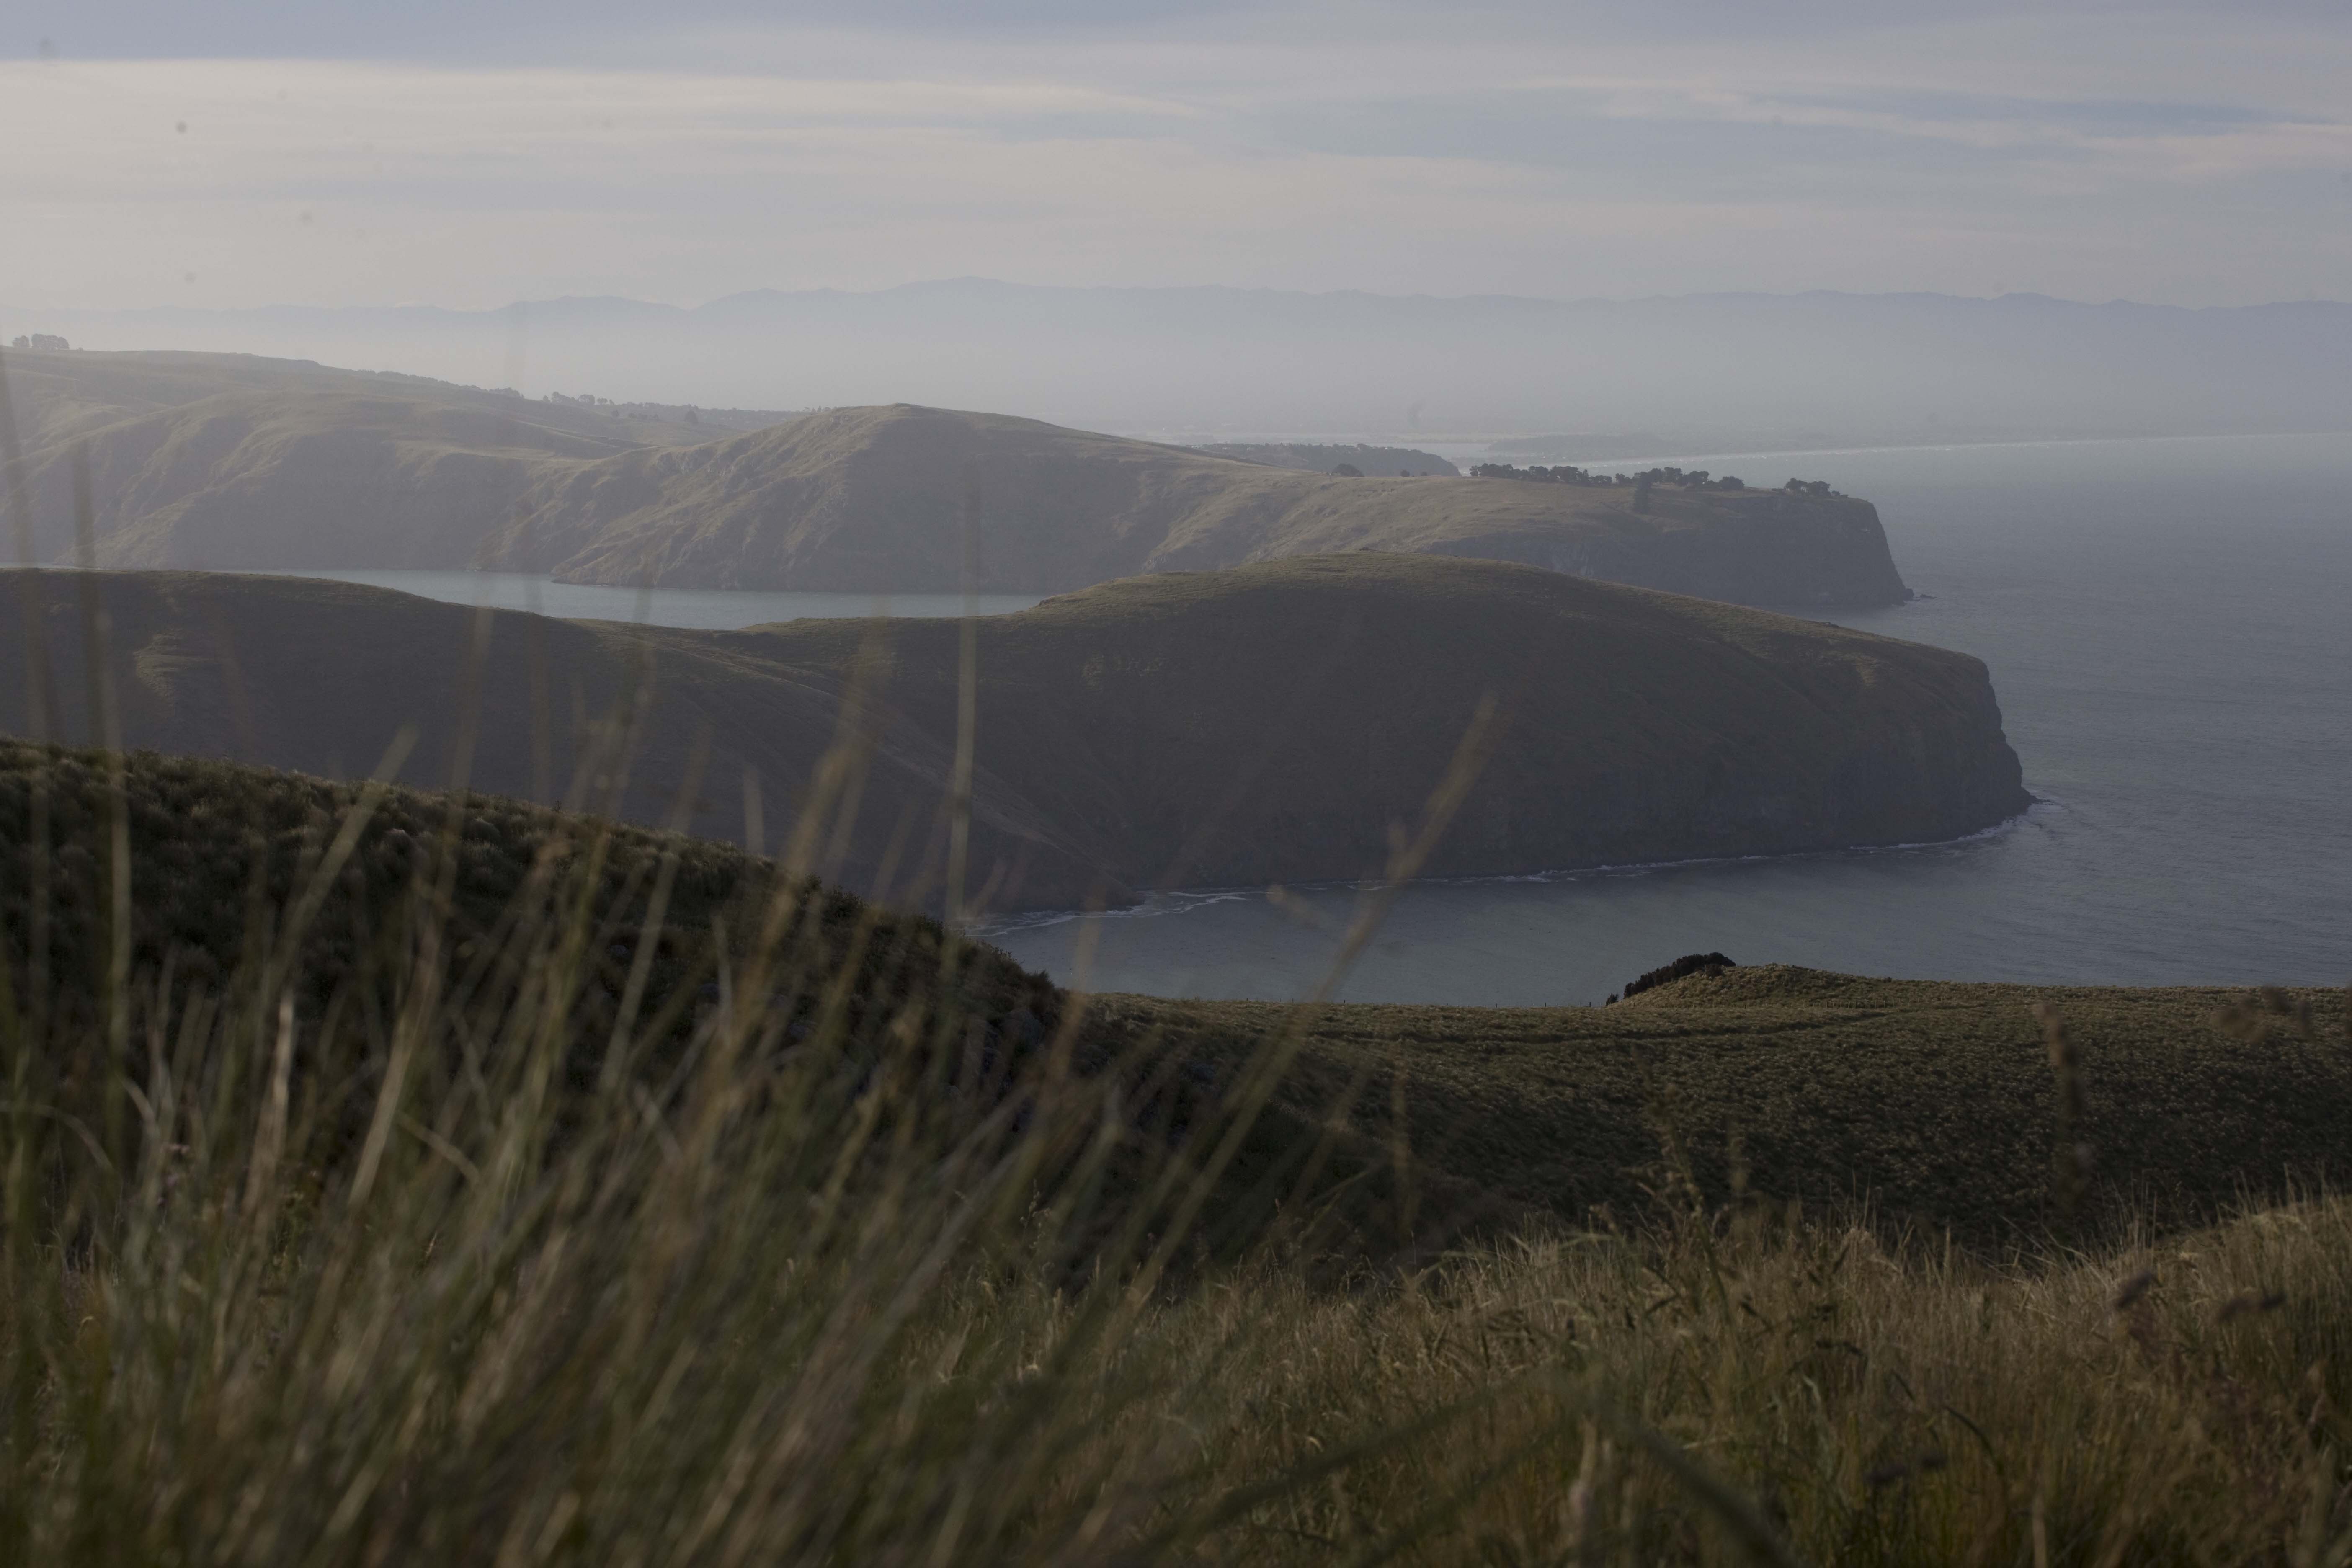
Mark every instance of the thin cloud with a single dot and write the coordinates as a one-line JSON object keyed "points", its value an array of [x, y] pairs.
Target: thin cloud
{"points": [[1875, 149]]}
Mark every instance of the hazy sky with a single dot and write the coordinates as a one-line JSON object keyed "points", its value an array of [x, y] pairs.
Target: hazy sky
{"points": [[155, 153]]}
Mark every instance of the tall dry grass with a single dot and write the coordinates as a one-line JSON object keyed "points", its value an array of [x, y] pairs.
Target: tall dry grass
{"points": [[489, 1263]]}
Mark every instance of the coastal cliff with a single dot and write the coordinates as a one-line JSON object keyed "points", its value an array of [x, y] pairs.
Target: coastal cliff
{"points": [[1276, 722], [1273, 722]]}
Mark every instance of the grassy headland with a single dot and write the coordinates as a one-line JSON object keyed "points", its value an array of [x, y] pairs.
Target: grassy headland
{"points": [[874, 498], [220, 461], [1260, 725]]}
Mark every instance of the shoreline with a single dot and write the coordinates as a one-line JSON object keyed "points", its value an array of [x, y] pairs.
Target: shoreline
{"points": [[1183, 901]]}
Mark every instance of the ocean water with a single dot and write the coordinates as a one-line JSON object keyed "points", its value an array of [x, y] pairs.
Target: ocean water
{"points": [[701, 609], [2169, 624]]}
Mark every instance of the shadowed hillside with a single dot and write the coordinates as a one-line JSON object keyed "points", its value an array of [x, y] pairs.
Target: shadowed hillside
{"points": [[219, 851], [1283, 721], [322, 677], [221, 462]]}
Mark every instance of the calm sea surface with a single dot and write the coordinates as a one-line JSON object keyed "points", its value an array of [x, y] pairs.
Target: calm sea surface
{"points": [[704, 610], [2170, 629]]}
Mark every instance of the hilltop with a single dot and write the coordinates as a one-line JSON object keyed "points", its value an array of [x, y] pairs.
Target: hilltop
{"points": [[220, 850], [1269, 722], [62, 395], [232, 459], [874, 500], [224, 463], [1324, 456]]}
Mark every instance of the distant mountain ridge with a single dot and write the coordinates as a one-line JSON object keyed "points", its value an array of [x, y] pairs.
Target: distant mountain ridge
{"points": [[1724, 371]]}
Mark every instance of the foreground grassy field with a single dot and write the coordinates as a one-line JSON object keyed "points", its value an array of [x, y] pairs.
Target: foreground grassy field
{"points": [[519, 1189], [1934, 1102]]}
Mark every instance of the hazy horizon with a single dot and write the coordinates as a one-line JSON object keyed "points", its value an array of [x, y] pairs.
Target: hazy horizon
{"points": [[1713, 373], [165, 309], [331, 154]]}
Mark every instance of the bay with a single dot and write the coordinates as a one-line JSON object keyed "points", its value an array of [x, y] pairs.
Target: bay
{"points": [[701, 609]]}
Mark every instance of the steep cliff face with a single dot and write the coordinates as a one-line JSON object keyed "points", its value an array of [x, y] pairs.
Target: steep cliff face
{"points": [[1273, 722]]}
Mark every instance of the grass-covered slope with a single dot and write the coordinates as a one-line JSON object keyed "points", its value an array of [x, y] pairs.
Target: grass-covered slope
{"points": [[219, 853], [224, 462], [1273, 722], [1936, 1102], [871, 500], [323, 677], [201, 459], [1280, 721], [474, 1224]]}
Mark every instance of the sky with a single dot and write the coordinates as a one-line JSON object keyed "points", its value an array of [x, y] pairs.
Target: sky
{"points": [[466, 154]]}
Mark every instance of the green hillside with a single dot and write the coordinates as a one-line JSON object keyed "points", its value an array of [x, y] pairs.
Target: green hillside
{"points": [[1934, 1102], [1261, 725], [228, 462], [866, 499]]}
